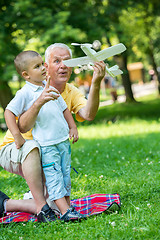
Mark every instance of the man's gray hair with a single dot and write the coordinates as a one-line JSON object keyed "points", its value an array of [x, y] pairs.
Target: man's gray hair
{"points": [[55, 45]]}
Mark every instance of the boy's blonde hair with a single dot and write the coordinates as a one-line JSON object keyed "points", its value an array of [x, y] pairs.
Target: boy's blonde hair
{"points": [[22, 60]]}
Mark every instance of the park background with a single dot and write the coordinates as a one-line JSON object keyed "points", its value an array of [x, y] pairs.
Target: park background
{"points": [[119, 150]]}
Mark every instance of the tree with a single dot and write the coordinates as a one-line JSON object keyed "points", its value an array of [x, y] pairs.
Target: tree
{"points": [[35, 24], [143, 32], [6, 45], [150, 44], [24, 21], [104, 16]]}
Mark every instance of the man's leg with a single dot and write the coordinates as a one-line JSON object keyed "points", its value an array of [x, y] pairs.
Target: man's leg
{"points": [[10, 205], [27, 205], [32, 171], [26, 163]]}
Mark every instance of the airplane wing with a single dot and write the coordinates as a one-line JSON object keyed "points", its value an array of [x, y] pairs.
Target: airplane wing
{"points": [[109, 52], [77, 61]]}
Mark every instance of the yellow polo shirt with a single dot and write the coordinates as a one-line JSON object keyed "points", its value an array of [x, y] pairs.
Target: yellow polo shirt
{"points": [[74, 99]]}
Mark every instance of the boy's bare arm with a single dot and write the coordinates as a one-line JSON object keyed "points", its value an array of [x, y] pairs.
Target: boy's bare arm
{"points": [[73, 132], [12, 126]]}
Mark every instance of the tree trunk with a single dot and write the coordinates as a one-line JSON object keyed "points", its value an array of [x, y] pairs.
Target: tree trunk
{"points": [[5, 94], [122, 62], [151, 54], [150, 50]]}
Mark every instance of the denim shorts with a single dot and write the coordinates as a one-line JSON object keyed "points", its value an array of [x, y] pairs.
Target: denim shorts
{"points": [[56, 163]]}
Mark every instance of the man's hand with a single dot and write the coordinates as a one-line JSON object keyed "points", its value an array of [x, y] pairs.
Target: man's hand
{"points": [[89, 111], [73, 133], [99, 72], [19, 141]]}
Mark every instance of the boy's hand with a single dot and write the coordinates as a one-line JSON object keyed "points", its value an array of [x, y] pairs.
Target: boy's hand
{"points": [[19, 141], [49, 93], [53, 92], [73, 133]]}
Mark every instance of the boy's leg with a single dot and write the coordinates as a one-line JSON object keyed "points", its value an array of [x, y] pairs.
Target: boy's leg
{"points": [[65, 152], [62, 205], [53, 174], [67, 213], [68, 200]]}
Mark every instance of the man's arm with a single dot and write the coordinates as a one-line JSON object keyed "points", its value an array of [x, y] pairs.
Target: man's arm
{"points": [[89, 111]]}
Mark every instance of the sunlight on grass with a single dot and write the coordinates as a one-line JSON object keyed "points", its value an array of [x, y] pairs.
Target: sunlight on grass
{"points": [[149, 97], [121, 128]]}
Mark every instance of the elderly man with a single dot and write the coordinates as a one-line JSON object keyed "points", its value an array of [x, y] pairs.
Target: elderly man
{"points": [[28, 158]]}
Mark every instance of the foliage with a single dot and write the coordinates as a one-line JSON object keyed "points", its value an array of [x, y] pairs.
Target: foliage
{"points": [[35, 24], [142, 19]]}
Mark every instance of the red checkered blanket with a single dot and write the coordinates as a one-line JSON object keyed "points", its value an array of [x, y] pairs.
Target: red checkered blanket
{"points": [[89, 205]]}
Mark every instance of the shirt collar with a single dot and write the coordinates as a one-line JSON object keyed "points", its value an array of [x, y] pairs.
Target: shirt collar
{"points": [[35, 87], [66, 90]]}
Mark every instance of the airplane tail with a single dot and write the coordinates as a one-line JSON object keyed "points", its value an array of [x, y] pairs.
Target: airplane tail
{"points": [[113, 71]]}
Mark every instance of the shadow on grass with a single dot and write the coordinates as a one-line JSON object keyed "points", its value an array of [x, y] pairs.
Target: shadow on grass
{"points": [[122, 111]]}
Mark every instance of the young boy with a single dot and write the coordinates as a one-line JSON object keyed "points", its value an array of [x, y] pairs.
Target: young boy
{"points": [[52, 129]]}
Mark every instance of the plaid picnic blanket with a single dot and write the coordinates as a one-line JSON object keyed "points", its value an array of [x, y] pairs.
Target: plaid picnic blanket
{"points": [[89, 205]]}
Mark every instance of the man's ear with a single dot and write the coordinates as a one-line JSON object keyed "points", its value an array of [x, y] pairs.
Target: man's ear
{"points": [[46, 65], [25, 75]]}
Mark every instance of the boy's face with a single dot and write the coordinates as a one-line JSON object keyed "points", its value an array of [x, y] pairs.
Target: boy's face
{"points": [[36, 71], [58, 72]]}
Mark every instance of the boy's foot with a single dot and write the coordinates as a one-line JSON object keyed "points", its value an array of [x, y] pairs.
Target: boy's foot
{"points": [[46, 214], [72, 215], [3, 197]]}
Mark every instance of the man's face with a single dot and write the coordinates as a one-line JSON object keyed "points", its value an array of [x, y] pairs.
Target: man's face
{"points": [[58, 72]]}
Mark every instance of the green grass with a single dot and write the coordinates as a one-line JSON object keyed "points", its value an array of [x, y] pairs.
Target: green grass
{"points": [[120, 156]]}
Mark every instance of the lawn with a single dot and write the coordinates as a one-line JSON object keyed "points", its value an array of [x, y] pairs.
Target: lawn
{"points": [[118, 152]]}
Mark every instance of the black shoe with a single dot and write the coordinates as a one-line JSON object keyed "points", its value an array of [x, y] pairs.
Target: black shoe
{"points": [[3, 197], [72, 215], [46, 214]]}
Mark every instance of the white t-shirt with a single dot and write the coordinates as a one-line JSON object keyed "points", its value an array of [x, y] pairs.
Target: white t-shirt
{"points": [[50, 127]]}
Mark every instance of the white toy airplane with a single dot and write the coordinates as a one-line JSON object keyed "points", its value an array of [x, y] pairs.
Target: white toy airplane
{"points": [[93, 56]]}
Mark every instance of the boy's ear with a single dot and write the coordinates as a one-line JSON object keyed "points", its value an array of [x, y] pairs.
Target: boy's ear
{"points": [[25, 75]]}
